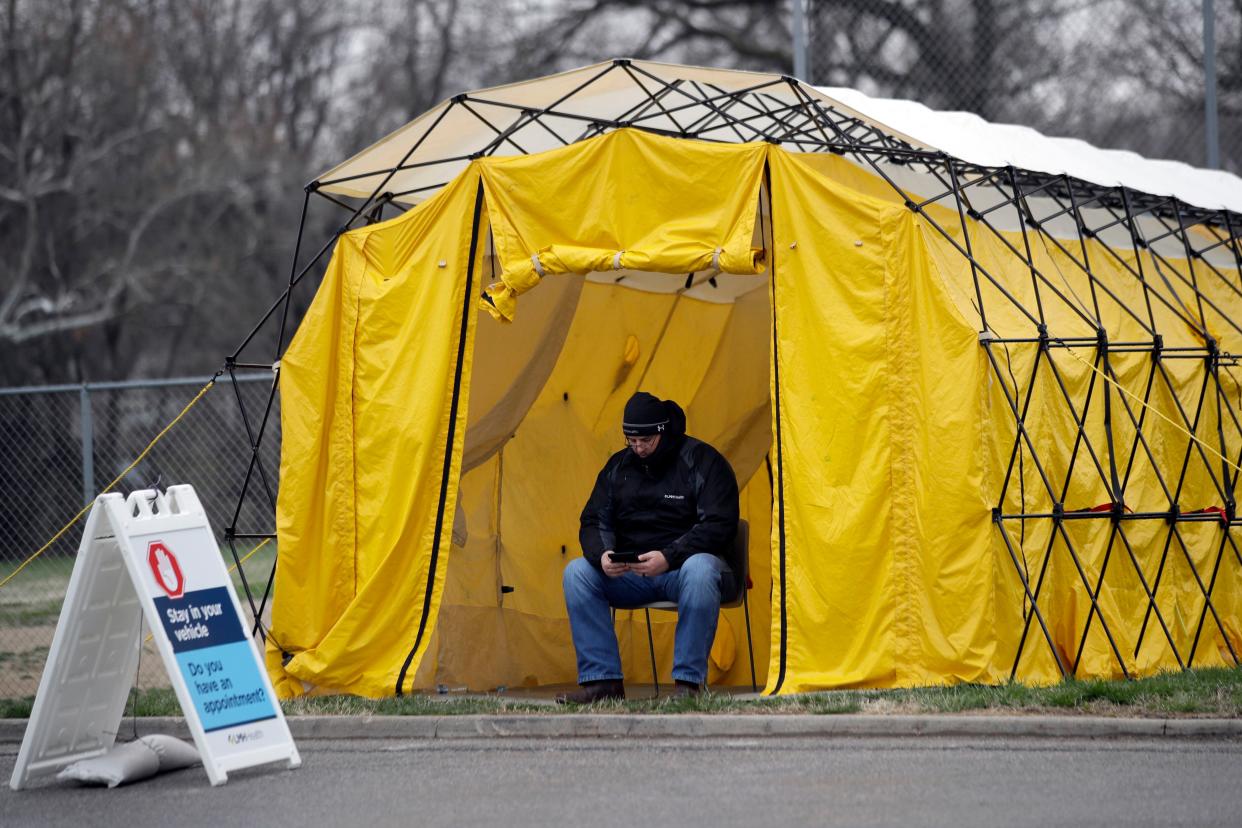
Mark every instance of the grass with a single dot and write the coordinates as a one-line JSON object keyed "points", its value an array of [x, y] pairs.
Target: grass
{"points": [[427, 705], [257, 568], [34, 597], [30, 606], [158, 701], [54, 570], [33, 613], [49, 567], [1209, 692], [1214, 692]]}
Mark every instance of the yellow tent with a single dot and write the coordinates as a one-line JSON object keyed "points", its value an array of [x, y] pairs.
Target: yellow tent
{"points": [[969, 444]]}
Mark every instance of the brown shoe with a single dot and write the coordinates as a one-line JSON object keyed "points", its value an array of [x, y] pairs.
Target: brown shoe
{"points": [[686, 689], [593, 691]]}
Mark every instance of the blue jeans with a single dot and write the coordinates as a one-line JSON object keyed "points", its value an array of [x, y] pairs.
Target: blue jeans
{"points": [[695, 588]]}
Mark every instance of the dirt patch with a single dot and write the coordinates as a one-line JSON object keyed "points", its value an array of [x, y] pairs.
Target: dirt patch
{"points": [[23, 653]]}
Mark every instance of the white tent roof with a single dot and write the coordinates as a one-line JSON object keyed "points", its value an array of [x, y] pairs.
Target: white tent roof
{"points": [[968, 137], [602, 91]]}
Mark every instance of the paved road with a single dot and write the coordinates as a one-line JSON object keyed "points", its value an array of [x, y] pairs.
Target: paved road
{"points": [[753, 782]]}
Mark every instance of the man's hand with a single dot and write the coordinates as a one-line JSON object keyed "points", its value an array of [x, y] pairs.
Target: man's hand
{"points": [[612, 570], [650, 564]]}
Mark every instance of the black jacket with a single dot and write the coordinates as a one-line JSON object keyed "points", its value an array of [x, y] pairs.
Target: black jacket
{"points": [[680, 500]]}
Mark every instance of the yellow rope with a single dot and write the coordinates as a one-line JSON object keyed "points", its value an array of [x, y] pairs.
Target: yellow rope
{"points": [[108, 488], [1167, 419], [248, 555], [1201, 334]]}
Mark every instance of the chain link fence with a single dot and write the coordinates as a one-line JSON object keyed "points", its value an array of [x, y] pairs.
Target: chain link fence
{"points": [[61, 445], [1125, 74]]}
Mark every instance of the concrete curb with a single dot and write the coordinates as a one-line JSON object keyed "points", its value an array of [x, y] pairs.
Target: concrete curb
{"points": [[697, 726]]}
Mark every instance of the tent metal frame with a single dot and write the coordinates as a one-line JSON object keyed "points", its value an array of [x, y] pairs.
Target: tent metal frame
{"points": [[799, 119]]}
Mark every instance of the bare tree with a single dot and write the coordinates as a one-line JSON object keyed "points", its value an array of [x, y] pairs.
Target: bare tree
{"points": [[152, 151], [148, 151], [1158, 57], [737, 34]]}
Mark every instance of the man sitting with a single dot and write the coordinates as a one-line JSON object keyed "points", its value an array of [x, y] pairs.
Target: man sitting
{"points": [[668, 503]]}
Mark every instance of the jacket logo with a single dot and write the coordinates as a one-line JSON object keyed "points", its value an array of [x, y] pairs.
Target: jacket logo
{"points": [[674, 497]]}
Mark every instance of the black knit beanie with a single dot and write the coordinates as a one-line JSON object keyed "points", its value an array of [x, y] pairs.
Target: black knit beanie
{"points": [[644, 415]]}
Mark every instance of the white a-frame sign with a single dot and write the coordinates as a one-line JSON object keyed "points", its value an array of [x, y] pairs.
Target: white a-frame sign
{"points": [[155, 555]]}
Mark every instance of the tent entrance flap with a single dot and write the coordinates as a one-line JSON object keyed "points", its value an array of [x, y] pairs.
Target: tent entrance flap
{"points": [[619, 202], [373, 412]]}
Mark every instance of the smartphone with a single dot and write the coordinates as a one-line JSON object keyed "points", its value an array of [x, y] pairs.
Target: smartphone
{"points": [[625, 557]]}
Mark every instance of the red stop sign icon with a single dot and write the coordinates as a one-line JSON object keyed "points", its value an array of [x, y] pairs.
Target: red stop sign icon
{"points": [[166, 569]]}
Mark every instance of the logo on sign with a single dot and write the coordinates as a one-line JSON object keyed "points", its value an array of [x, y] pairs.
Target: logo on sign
{"points": [[166, 570], [245, 736]]}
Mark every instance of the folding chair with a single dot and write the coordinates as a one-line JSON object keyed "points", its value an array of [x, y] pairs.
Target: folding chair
{"points": [[739, 562]]}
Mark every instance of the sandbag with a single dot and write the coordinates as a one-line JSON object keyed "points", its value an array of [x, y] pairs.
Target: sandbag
{"points": [[130, 762]]}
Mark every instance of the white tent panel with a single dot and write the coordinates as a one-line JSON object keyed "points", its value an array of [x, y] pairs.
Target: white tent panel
{"points": [[612, 95], [968, 137]]}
